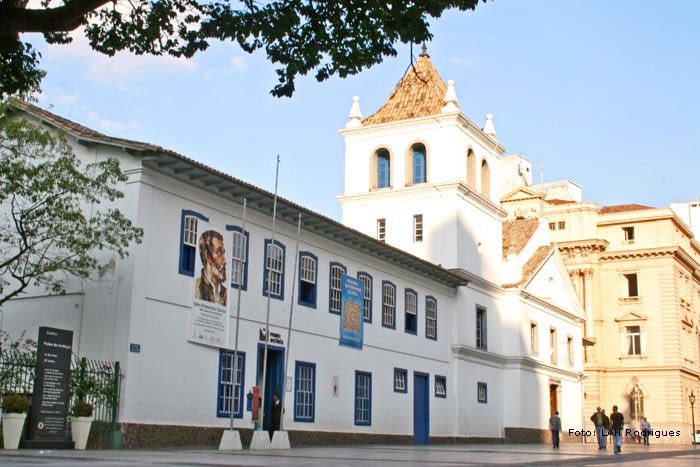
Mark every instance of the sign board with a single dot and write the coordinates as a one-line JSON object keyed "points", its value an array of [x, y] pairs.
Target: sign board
{"points": [[351, 313], [50, 401]]}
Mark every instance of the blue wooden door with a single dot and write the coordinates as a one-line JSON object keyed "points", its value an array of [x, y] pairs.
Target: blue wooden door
{"points": [[273, 378], [421, 409]]}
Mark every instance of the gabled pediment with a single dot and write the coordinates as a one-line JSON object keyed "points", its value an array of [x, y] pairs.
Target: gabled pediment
{"points": [[521, 194], [631, 316]]}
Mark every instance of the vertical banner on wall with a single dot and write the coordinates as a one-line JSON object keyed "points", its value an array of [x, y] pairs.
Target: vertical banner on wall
{"points": [[209, 321], [351, 314]]}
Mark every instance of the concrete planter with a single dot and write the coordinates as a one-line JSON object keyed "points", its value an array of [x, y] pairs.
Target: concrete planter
{"points": [[12, 424], [80, 430]]}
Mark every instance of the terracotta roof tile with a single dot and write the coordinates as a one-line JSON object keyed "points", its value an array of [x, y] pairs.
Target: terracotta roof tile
{"points": [[559, 201], [623, 208], [518, 232], [532, 265], [420, 93], [78, 130]]}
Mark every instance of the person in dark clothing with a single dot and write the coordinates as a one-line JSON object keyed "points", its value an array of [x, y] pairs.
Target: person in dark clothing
{"points": [[606, 431], [617, 421], [276, 415], [555, 427], [598, 419]]}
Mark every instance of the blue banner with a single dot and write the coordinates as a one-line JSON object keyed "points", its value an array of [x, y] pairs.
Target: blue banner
{"points": [[352, 312]]}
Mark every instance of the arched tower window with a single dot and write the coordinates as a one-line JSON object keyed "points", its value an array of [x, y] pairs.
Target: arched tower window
{"points": [[419, 167], [636, 404], [383, 168], [485, 179], [471, 169]]}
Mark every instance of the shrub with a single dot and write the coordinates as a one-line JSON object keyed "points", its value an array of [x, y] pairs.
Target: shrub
{"points": [[82, 409], [14, 403]]}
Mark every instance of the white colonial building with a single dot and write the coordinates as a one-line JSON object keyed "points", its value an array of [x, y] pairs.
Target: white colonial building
{"points": [[472, 328]]}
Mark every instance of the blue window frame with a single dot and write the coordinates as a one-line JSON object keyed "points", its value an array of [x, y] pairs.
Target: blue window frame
{"points": [[335, 287], [239, 257], [230, 386], [440, 386], [367, 281], [480, 327], [383, 168], [273, 266], [400, 380], [188, 241], [418, 163], [481, 393], [363, 398], [430, 317], [411, 305], [388, 305], [308, 272], [304, 392]]}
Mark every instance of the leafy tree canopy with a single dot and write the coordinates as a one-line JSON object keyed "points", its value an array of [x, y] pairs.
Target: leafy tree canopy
{"points": [[51, 220], [326, 36]]}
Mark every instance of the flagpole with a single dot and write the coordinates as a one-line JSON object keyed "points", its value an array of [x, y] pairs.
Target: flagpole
{"points": [[238, 320], [267, 287], [289, 328]]}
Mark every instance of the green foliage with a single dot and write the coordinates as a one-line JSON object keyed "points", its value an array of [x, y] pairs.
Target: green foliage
{"points": [[81, 409], [89, 380], [17, 363], [94, 383], [51, 221], [14, 403], [326, 36]]}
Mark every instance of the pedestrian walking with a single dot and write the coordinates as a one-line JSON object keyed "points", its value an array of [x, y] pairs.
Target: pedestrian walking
{"points": [[555, 427], [606, 429], [617, 421], [598, 419], [646, 430]]}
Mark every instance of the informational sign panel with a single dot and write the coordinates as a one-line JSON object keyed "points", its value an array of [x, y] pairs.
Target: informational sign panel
{"points": [[50, 401], [209, 321], [351, 315]]}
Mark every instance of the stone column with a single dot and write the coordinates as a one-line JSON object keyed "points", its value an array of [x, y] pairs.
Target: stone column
{"points": [[588, 300]]}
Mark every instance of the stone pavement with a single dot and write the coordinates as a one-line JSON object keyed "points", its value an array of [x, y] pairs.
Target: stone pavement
{"points": [[356, 456]]}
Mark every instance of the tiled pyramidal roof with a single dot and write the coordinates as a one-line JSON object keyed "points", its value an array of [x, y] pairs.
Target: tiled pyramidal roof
{"points": [[420, 93]]}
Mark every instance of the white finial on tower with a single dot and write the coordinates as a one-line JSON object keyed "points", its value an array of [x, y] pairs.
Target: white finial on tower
{"points": [[450, 98], [355, 114], [489, 129]]}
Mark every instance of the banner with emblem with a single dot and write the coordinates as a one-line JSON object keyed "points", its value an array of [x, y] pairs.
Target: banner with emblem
{"points": [[209, 321], [351, 314]]}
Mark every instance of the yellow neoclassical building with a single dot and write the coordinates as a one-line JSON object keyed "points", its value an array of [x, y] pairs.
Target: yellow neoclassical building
{"points": [[637, 273]]}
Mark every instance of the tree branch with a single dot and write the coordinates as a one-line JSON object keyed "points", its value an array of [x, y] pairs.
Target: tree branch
{"points": [[64, 18]]}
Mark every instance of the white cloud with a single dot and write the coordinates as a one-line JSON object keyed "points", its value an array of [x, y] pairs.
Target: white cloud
{"points": [[467, 62], [239, 63], [58, 97], [123, 71]]}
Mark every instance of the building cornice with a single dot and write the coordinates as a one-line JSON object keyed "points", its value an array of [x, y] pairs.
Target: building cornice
{"points": [[526, 296], [458, 187], [676, 251], [470, 354], [596, 245], [457, 118]]}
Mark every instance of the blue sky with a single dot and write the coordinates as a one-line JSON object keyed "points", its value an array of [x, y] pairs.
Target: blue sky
{"points": [[603, 93]]}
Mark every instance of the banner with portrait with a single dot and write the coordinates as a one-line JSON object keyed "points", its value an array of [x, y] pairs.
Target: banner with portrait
{"points": [[209, 317], [351, 312]]}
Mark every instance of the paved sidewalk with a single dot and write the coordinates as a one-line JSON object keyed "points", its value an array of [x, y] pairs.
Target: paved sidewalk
{"points": [[356, 456]]}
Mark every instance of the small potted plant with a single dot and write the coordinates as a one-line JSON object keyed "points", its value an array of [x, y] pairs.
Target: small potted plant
{"points": [[80, 422], [14, 412]]}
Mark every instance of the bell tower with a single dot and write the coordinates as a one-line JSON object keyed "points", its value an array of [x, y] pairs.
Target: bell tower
{"points": [[420, 175]]}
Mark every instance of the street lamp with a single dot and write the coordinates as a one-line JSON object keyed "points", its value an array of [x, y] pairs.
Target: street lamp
{"points": [[691, 397]]}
